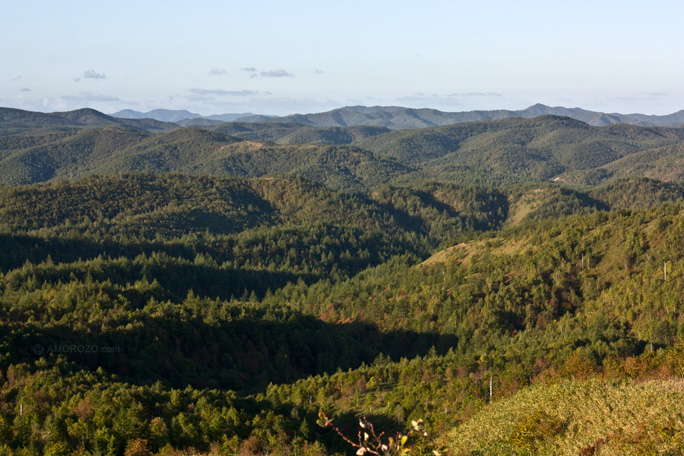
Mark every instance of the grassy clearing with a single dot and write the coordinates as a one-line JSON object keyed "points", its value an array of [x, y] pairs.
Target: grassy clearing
{"points": [[463, 253]]}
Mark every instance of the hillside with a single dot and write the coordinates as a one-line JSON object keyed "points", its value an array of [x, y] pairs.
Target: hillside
{"points": [[579, 417], [663, 163], [340, 168], [14, 121], [42, 156], [513, 150], [292, 133], [162, 204], [67, 154], [255, 131], [331, 135], [227, 312]]}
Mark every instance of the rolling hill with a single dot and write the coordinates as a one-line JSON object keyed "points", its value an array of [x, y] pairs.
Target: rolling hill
{"points": [[14, 121], [540, 148], [37, 147], [194, 151], [69, 154], [292, 133]]}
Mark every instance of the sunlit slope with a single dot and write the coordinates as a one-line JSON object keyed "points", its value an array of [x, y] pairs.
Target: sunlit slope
{"points": [[62, 153], [573, 417]]}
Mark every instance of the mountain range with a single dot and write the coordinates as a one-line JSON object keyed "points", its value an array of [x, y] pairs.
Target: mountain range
{"points": [[397, 117], [38, 147]]}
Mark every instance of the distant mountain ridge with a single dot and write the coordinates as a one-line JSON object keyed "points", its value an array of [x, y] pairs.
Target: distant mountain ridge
{"points": [[177, 115], [398, 118], [163, 115]]}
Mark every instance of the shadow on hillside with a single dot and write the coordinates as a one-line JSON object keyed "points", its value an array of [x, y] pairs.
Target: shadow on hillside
{"points": [[174, 274], [244, 353], [482, 213], [15, 250]]}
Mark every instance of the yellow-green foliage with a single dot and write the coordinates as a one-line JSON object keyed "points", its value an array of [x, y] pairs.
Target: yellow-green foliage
{"points": [[463, 253], [572, 417]]}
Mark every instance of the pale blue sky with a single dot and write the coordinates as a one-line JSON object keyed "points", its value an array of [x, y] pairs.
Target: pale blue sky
{"points": [[281, 57]]}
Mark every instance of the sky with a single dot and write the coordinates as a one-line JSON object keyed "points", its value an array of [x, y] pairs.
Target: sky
{"points": [[284, 57]]}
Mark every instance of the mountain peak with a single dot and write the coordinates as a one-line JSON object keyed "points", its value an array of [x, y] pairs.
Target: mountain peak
{"points": [[539, 108]]}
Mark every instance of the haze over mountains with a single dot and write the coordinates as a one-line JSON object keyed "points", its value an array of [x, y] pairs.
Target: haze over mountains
{"points": [[397, 117], [171, 115]]}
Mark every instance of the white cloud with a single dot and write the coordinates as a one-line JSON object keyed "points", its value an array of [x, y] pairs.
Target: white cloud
{"points": [[276, 74], [217, 71], [91, 74]]}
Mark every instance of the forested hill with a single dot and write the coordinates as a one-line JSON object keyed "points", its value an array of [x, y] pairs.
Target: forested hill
{"points": [[546, 147], [222, 314], [40, 147], [17, 120], [47, 155], [174, 205]]}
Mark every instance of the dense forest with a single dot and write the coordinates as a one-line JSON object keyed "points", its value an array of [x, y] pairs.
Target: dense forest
{"points": [[169, 291]]}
